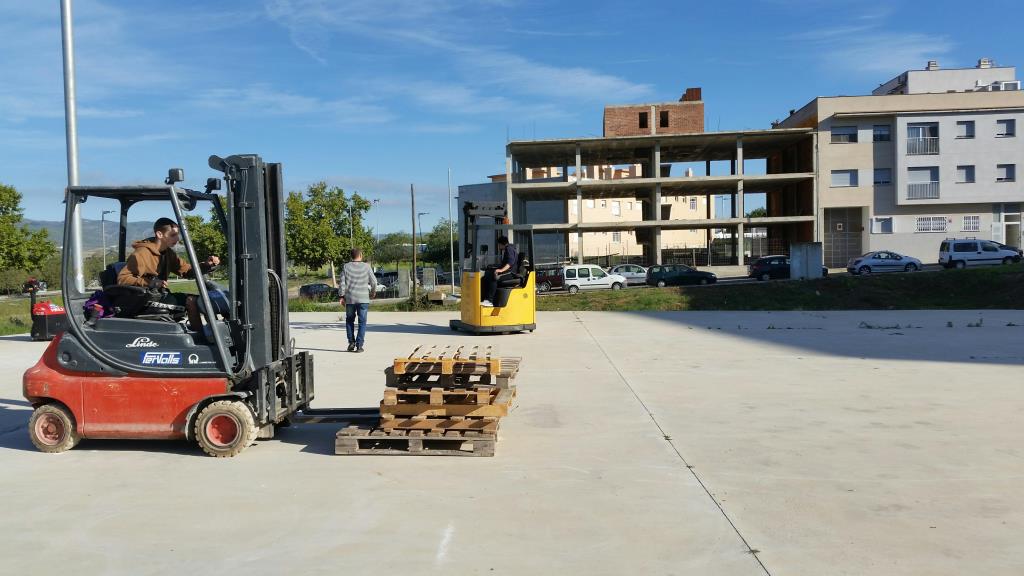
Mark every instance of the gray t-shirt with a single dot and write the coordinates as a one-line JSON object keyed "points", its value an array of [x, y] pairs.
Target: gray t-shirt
{"points": [[357, 283]]}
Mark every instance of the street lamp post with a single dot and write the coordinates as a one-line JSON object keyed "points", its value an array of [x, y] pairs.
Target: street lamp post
{"points": [[419, 222], [103, 234]]}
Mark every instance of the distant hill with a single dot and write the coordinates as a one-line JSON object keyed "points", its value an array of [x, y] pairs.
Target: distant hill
{"points": [[91, 232]]}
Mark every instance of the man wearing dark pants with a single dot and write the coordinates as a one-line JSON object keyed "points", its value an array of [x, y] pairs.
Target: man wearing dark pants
{"points": [[509, 256], [358, 284]]}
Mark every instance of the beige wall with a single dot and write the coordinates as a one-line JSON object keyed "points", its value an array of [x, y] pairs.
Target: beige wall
{"points": [[865, 155]]}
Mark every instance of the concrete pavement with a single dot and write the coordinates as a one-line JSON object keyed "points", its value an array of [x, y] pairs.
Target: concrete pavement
{"points": [[643, 443]]}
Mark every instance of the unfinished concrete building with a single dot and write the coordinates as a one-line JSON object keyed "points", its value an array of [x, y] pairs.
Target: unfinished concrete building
{"points": [[784, 175]]}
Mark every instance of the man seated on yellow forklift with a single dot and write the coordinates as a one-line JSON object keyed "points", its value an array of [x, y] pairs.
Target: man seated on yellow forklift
{"points": [[509, 259], [154, 259]]}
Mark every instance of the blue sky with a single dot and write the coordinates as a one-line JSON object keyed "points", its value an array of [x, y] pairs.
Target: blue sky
{"points": [[373, 95]]}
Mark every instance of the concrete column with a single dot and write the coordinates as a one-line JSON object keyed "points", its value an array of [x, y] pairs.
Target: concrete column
{"points": [[579, 207], [656, 201], [509, 176], [819, 214], [740, 210]]}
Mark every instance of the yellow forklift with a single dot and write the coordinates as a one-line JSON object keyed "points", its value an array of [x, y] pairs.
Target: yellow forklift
{"points": [[515, 302]]}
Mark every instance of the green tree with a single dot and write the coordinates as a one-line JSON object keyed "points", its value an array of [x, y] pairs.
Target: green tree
{"points": [[438, 243], [207, 237], [760, 212], [394, 247], [322, 224], [20, 248]]}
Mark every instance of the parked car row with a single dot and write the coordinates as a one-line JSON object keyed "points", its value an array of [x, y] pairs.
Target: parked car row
{"points": [[953, 253]]}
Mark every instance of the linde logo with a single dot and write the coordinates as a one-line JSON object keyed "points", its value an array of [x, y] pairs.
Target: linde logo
{"points": [[142, 342], [161, 358]]}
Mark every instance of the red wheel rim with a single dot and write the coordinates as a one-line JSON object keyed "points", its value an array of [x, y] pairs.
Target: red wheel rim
{"points": [[222, 430], [50, 429]]}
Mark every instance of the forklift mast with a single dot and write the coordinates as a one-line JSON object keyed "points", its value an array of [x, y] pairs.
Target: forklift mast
{"points": [[258, 271]]}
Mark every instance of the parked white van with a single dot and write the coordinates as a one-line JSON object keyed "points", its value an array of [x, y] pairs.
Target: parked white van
{"points": [[590, 277], [961, 253]]}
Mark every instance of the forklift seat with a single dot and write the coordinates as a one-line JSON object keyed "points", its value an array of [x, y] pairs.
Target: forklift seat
{"points": [[520, 277], [108, 277]]}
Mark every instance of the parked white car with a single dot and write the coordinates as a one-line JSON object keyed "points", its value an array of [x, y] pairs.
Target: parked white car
{"points": [[633, 273], [954, 253], [590, 277]]}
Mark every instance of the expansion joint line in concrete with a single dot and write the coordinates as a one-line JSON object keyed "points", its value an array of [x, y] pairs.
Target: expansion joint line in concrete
{"points": [[672, 443]]}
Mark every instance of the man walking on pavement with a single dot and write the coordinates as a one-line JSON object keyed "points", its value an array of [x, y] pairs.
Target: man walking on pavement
{"points": [[358, 285]]}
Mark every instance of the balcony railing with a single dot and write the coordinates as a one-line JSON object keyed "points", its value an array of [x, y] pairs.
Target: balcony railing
{"points": [[923, 191], [928, 145]]}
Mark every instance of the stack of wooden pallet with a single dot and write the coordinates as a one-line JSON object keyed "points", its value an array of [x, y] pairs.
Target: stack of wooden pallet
{"points": [[439, 400]]}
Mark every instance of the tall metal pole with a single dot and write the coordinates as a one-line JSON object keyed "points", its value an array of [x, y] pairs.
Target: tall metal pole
{"points": [[103, 234], [412, 195], [71, 132], [451, 241]]}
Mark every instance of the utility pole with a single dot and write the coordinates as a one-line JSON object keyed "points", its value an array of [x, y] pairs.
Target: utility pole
{"points": [[71, 132], [103, 234], [412, 195], [451, 240]]}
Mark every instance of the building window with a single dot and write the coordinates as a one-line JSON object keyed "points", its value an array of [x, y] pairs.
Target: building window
{"points": [[572, 206], [844, 178], [1006, 172], [663, 119], [643, 120], [1006, 128], [616, 208], [590, 203], [629, 205], [844, 134], [616, 237], [965, 174], [604, 203], [923, 138], [693, 203], [881, 225], [883, 176], [965, 129], [636, 206], [972, 223], [923, 183], [931, 224], [881, 133]]}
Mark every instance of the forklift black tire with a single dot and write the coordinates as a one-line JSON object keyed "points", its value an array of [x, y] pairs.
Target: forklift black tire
{"points": [[52, 429], [225, 428]]}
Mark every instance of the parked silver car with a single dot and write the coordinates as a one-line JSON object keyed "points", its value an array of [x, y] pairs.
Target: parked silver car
{"points": [[633, 273], [882, 261]]}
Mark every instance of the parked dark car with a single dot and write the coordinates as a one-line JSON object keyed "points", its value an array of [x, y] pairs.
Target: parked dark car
{"points": [[677, 275], [318, 291], [1020, 253], [548, 279], [773, 267]]}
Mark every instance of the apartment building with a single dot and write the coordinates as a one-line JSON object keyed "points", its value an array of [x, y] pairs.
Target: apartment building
{"points": [[930, 154]]}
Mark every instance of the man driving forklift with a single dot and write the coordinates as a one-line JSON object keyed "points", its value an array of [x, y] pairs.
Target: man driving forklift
{"points": [[154, 259], [509, 259]]}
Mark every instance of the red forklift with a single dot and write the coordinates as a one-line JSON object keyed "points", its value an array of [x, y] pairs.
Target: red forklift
{"points": [[130, 368]]}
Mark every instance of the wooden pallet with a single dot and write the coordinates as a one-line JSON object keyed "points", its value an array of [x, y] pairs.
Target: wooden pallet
{"points": [[430, 375], [474, 395], [486, 425], [423, 405], [434, 359], [358, 440]]}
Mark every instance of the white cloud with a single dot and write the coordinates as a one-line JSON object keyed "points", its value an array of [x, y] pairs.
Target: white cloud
{"points": [[866, 46], [264, 99], [439, 25]]}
